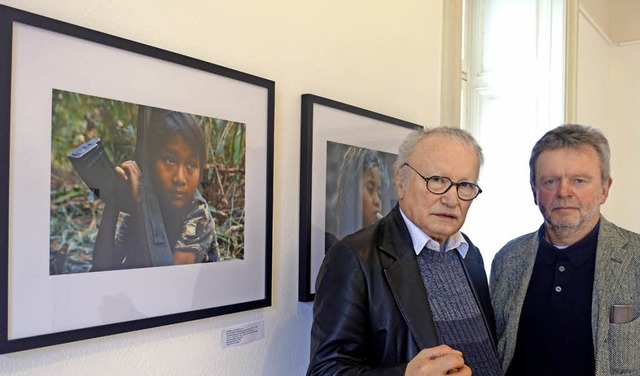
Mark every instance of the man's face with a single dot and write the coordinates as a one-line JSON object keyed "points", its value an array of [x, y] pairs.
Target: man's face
{"points": [[370, 191], [569, 191], [177, 172], [439, 216]]}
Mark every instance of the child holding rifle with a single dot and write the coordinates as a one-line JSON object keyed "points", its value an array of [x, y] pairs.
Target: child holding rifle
{"points": [[174, 156]]}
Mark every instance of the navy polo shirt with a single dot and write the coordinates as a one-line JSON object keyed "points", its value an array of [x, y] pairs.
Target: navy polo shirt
{"points": [[554, 334]]}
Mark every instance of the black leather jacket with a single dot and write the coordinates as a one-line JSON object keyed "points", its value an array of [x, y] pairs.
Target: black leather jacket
{"points": [[371, 313]]}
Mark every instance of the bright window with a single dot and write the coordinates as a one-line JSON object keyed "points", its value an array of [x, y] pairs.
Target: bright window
{"points": [[512, 92]]}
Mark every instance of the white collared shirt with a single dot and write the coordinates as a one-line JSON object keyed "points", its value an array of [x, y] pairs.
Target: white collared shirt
{"points": [[420, 240]]}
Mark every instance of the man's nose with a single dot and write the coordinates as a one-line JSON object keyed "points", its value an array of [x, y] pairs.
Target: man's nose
{"points": [[564, 188], [450, 196]]}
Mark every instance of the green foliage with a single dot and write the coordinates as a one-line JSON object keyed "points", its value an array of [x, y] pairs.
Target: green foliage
{"points": [[76, 214], [76, 118], [224, 185]]}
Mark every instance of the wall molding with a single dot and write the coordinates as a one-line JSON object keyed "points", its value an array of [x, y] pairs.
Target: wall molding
{"points": [[595, 25], [450, 84], [571, 61], [629, 43]]}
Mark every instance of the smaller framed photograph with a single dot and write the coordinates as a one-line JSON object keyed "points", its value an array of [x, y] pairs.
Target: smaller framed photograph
{"points": [[346, 176]]}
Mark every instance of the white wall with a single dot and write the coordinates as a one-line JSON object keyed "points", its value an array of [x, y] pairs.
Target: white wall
{"points": [[618, 19], [381, 55], [623, 131], [594, 65], [609, 99], [624, 19]]}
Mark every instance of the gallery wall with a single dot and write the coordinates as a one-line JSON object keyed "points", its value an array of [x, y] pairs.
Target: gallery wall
{"points": [[624, 133], [609, 99], [379, 55]]}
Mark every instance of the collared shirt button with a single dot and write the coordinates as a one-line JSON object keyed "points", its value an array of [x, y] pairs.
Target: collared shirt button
{"points": [[561, 268], [558, 288]]}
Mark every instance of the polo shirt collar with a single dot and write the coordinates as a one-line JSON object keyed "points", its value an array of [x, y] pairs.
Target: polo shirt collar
{"points": [[578, 253]]}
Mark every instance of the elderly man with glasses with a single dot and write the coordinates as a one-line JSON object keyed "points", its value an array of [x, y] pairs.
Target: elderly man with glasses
{"points": [[408, 295]]}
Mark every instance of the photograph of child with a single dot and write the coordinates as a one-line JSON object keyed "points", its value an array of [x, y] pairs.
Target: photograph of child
{"points": [[172, 186]]}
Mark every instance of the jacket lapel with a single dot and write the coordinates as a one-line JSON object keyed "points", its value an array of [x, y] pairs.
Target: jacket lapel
{"points": [[411, 297], [611, 263], [401, 270], [527, 252]]}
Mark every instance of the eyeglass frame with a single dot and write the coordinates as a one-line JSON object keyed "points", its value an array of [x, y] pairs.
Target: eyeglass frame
{"points": [[426, 183]]}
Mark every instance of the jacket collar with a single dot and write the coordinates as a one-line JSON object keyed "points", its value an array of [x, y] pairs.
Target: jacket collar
{"points": [[394, 239]]}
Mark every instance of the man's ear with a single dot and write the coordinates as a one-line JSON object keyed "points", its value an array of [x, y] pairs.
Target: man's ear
{"points": [[535, 195], [605, 191], [397, 177]]}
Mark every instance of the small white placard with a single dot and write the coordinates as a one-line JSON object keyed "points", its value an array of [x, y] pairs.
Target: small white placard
{"points": [[242, 334]]}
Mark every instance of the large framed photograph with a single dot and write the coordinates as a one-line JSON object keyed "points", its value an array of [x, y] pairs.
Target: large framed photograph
{"points": [[136, 185], [346, 176]]}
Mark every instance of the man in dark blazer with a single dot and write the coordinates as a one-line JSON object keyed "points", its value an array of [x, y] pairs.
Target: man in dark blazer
{"points": [[567, 296], [409, 295]]}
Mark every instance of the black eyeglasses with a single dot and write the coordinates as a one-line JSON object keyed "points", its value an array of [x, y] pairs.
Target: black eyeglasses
{"points": [[439, 185]]}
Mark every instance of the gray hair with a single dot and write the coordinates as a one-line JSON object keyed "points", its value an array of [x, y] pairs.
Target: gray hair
{"points": [[409, 144], [572, 136]]}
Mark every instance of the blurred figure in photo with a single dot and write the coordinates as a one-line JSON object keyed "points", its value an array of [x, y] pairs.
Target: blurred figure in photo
{"points": [[360, 194]]}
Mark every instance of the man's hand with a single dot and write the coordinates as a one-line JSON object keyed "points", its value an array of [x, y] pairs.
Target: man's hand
{"points": [[440, 360]]}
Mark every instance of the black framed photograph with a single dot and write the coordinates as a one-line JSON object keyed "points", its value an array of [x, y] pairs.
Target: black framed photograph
{"points": [[346, 176], [137, 185]]}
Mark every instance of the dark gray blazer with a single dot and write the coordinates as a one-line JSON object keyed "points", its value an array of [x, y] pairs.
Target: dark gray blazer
{"points": [[371, 313], [616, 281]]}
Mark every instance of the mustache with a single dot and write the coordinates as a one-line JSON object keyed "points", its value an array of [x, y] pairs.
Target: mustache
{"points": [[562, 203], [564, 207]]}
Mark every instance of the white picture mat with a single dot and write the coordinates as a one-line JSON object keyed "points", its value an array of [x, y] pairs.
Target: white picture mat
{"points": [[42, 304], [331, 124]]}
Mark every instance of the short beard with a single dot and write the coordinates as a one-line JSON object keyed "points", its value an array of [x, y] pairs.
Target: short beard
{"points": [[565, 230]]}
